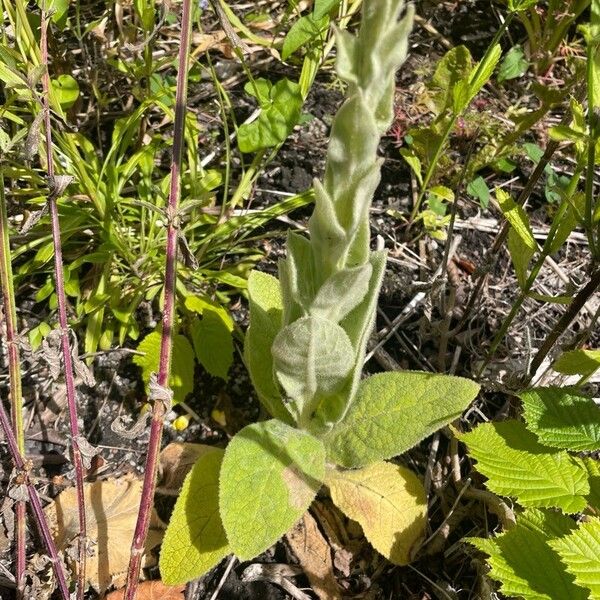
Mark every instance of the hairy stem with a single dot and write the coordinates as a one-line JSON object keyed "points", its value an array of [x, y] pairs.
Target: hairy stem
{"points": [[55, 192], [159, 409], [36, 505], [14, 374]]}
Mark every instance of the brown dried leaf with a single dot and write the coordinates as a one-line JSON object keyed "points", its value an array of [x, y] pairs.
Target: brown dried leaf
{"points": [[176, 461], [152, 590], [112, 507], [314, 554]]}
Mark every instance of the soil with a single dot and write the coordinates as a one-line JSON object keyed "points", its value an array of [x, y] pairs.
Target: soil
{"points": [[448, 570]]}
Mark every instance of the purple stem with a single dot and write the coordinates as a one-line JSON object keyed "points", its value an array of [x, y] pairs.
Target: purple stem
{"points": [[14, 369], [62, 317], [36, 505], [159, 408]]}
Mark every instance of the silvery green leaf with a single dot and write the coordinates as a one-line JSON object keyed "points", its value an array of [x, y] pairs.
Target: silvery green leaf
{"points": [[312, 358], [297, 276], [357, 325], [265, 322], [345, 62], [326, 234], [353, 142], [342, 292]]}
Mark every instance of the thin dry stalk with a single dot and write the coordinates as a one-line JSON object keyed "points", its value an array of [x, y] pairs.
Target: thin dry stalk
{"points": [[22, 477], [14, 374], [161, 404], [56, 189]]}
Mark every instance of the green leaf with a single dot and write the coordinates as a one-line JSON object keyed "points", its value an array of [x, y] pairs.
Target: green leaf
{"points": [[392, 412], [323, 7], [513, 65], [66, 90], [270, 474], [525, 564], [302, 31], [580, 552], [388, 501], [413, 162], [478, 189], [592, 467], [517, 465], [195, 540], [520, 255], [265, 323], [341, 293], [520, 5], [312, 359], [521, 243], [213, 344], [578, 362], [275, 121], [562, 418], [181, 380], [454, 67]]}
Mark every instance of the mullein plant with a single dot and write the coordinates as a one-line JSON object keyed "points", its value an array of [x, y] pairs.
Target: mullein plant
{"points": [[305, 349]]}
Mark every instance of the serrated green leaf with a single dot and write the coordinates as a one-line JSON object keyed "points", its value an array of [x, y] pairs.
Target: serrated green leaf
{"points": [[392, 412], [520, 5], [195, 540], [580, 553], [312, 359], [578, 362], [388, 501], [303, 31], [562, 418], [270, 474], [517, 465], [453, 68], [265, 322], [213, 344], [413, 162], [513, 65], [275, 121], [592, 467], [525, 564], [181, 380]]}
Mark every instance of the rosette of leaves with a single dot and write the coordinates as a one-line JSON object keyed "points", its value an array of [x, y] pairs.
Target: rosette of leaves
{"points": [[305, 349]]}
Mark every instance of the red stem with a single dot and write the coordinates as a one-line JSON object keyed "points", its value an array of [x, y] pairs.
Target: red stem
{"points": [[62, 317], [14, 369], [36, 505], [159, 408]]}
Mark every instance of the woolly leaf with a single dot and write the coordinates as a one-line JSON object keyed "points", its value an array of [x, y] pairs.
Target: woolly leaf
{"points": [[341, 293], [562, 418], [270, 474], [580, 552], [393, 412], [524, 562], [312, 358], [195, 540], [181, 380], [265, 322], [388, 501], [516, 464]]}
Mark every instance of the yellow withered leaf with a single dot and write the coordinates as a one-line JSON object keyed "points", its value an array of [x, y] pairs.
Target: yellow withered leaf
{"points": [[388, 501]]}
